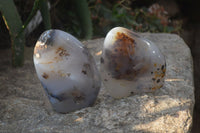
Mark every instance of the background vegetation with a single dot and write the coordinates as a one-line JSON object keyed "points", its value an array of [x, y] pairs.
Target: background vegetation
{"points": [[106, 14], [85, 19]]}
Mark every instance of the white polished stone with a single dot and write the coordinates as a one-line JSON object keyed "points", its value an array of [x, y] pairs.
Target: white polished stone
{"points": [[131, 64], [67, 71]]}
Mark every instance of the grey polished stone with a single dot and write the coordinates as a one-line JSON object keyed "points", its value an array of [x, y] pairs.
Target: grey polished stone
{"points": [[24, 107]]}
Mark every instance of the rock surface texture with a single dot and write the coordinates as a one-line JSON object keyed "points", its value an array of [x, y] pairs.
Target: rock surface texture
{"points": [[24, 107]]}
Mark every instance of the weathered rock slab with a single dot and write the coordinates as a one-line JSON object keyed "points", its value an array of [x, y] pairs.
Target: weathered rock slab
{"points": [[24, 106]]}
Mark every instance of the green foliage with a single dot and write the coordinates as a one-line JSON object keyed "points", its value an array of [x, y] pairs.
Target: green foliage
{"points": [[43, 7], [83, 14], [74, 17], [107, 15], [45, 14], [14, 25]]}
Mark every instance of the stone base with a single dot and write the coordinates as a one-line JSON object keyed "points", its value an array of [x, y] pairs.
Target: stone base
{"points": [[24, 107]]}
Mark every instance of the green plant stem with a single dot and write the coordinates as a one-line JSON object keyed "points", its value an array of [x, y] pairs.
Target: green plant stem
{"points": [[45, 14], [83, 13], [14, 25], [42, 5], [31, 15]]}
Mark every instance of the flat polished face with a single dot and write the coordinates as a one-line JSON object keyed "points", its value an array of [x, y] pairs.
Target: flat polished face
{"points": [[66, 70], [131, 64]]}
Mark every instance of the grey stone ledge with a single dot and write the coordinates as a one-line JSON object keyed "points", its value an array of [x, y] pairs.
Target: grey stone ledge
{"points": [[24, 106]]}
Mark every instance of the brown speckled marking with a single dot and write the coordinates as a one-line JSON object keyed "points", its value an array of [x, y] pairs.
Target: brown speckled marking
{"points": [[78, 97], [46, 62], [39, 48], [125, 45], [154, 88], [87, 70], [45, 76], [61, 52], [121, 65], [158, 75], [84, 72], [162, 67]]}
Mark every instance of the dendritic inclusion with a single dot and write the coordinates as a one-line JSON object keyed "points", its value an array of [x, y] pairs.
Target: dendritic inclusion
{"points": [[66, 70], [131, 64]]}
